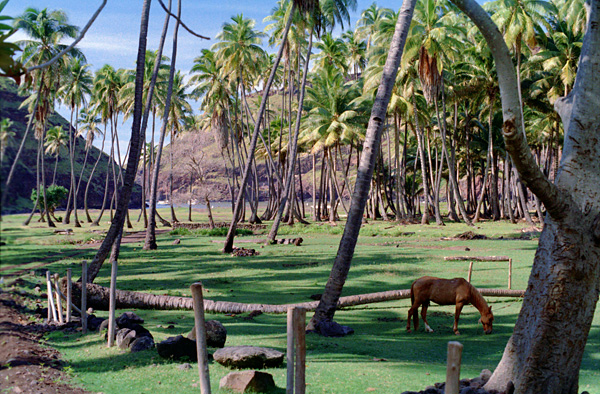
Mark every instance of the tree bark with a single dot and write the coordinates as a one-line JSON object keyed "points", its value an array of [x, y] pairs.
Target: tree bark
{"points": [[341, 266], [545, 352], [134, 157]]}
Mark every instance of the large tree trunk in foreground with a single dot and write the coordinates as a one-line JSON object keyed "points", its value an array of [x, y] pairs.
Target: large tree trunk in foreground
{"points": [[341, 265], [545, 352], [98, 298]]}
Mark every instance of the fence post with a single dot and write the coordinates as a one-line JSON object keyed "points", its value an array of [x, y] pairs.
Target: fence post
{"points": [[509, 274], [84, 296], [453, 367], [58, 303], [69, 295], [51, 309], [200, 328], [300, 336], [112, 304], [289, 386], [470, 272]]}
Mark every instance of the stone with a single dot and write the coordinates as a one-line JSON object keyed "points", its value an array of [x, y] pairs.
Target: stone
{"points": [[298, 241], [248, 381], [141, 344], [485, 375], [240, 357], [185, 366], [468, 390], [177, 242], [177, 348], [432, 390], [216, 334], [94, 323], [127, 319], [125, 337], [330, 328]]}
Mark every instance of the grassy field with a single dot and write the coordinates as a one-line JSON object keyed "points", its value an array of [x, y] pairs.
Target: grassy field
{"points": [[380, 357]]}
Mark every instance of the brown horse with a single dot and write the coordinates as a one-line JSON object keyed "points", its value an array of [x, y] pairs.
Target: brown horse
{"points": [[447, 292]]}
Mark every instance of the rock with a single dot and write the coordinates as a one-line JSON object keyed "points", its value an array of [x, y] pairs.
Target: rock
{"points": [[248, 357], [94, 323], [103, 326], [248, 381], [298, 241], [216, 334], [127, 319], [177, 242], [468, 390], [431, 390], [125, 337], [177, 348], [485, 375], [330, 328], [410, 392], [142, 343], [185, 366]]}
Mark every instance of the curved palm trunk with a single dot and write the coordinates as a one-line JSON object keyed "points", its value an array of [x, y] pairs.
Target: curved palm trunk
{"points": [[421, 149], [228, 247], [339, 272], [545, 351], [87, 186], [292, 151], [150, 242], [117, 225], [173, 217]]}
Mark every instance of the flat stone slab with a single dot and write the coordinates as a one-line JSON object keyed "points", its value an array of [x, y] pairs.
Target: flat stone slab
{"points": [[248, 381], [240, 357]]}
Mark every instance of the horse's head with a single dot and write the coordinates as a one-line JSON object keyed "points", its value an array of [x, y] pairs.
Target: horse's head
{"points": [[487, 318]]}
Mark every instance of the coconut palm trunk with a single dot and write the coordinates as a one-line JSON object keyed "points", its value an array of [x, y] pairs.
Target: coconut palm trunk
{"points": [[341, 266], [228, 247], [292, 152], [150, 242], [134, 156]]}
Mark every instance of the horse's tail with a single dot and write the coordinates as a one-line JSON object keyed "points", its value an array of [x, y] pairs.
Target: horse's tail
{"points": [[415, 313]]}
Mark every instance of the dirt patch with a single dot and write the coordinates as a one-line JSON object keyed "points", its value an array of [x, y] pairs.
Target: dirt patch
{"points": [[26, 366]]}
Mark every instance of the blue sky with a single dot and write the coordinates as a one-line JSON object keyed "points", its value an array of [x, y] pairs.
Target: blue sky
{"points": [[113, 38]]}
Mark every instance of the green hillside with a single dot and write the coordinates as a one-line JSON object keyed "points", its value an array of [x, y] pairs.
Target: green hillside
{"points": [[25, 173]]}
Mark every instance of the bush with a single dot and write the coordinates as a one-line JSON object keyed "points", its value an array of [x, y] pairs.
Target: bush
{"points": [[54, 197]]}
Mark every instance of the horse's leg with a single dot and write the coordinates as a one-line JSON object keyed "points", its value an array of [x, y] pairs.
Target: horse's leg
{"points": [[459, 306], [424, 316], [413, 313]]}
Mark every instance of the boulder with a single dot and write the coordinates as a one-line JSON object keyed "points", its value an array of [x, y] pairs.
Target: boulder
{"points": [[95, 323], [177, 348], [240, 357], [125, 337], [330, 328], [248, 381], [216, 334], [142, 343], [127, 319]]}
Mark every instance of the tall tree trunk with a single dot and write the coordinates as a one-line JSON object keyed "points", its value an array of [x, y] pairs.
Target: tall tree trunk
{"points": [[228, 247], [292, 152], [150, 242], [545, 351], [134, 157], [341, 266]]}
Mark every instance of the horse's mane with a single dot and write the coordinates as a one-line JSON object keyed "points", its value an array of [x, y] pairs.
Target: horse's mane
{"points": [[477, 299]]}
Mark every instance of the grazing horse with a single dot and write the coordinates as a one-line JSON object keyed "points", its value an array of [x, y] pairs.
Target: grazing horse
{"points": [[447, 292]]}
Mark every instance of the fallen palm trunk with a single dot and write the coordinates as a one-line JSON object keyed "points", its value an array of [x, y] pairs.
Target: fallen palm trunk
{"points": [[98, 297]]}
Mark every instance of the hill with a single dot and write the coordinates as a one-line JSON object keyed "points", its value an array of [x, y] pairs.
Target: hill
{"points": [[25, 173]]}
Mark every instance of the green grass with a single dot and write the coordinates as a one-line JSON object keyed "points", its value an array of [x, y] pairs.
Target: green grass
{"points": [[387, 257]]}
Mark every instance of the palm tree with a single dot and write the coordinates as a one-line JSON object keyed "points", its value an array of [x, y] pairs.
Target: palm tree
{"points": [[333, 53], [78, 83], [367, 25], [357, 51], [46, 30], [56, 139], [115, 231], [89, 122], [6, 135], [341, 266]]}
